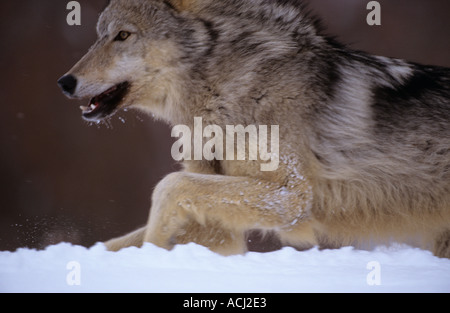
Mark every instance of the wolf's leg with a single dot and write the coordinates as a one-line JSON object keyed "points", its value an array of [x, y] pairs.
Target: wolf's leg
{"points": [[442, 245], [217, 211], [134, 239]]}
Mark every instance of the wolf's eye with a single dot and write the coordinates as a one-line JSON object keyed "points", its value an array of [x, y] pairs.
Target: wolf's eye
{"points": [[122, 36]]}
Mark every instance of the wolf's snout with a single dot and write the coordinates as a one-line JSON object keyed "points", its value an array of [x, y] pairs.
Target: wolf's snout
{"points": [[68, 83]]}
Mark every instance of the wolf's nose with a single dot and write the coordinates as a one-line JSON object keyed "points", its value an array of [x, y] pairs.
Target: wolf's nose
{"points": [[68, 83]]}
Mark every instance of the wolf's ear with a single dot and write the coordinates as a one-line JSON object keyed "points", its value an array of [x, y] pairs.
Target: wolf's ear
{"points": [[183, 5]]}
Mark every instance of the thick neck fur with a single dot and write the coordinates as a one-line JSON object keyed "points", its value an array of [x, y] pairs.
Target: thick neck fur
{"points": [[229, 55]]}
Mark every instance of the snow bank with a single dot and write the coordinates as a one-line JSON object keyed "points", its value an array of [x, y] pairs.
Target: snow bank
{"points": [[194, 269]]}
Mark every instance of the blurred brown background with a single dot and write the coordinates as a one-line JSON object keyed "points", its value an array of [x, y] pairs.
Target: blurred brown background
{"points": [[64, 180]]}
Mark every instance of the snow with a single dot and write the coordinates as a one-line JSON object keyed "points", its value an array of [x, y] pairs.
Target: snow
{"points": [[195, 269]]}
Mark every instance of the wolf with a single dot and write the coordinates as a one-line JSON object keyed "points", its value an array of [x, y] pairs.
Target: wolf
{"points": [[364, 141]]}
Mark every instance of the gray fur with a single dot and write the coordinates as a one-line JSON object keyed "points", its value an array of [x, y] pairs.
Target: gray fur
{"points": [[365, 140]]}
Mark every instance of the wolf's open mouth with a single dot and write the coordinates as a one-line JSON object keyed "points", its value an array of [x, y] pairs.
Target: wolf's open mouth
{"points": [[106, 103]]}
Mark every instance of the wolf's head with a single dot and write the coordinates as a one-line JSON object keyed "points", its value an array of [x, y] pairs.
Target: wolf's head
{"points": [[137, 59], [170, 57]]}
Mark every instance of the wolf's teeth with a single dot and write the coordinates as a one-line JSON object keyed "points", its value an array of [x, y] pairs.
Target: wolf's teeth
{"points": [[92, 106], [84, 108]]}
